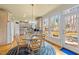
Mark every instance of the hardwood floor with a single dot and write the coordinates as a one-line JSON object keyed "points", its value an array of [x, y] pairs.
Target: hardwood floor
{"points": [[56, 47], [5, 48]]}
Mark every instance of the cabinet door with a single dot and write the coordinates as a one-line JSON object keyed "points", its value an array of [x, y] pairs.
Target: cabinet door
{"points": [[17, 30], [10, 32], [45, 27], [55, 29]]}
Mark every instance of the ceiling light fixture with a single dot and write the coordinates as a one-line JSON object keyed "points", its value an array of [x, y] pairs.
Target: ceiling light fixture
{"points": [[32, 11]]}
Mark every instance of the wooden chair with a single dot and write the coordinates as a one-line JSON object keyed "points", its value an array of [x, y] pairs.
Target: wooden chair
{"points": [[36, 43]]}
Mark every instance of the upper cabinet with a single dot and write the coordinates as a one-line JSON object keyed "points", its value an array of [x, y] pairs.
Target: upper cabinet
{"points": [[54, 26]]}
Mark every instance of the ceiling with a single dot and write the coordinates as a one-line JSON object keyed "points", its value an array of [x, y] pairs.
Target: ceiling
{"points": [[24, 11]]}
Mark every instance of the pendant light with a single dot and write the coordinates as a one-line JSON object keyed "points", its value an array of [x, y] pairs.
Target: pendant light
{"points": [[32, 11]]}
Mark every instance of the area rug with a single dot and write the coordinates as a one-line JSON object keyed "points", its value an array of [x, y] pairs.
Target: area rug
{"points": [[46, 49]]}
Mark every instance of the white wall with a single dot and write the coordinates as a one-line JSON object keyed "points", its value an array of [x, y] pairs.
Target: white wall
{"points": [[3, 26]]}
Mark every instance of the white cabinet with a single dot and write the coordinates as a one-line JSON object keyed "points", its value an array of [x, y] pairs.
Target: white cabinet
{"points": [[71, 29], [16, 29], [10, 32], [55, 28], [46, 27]]}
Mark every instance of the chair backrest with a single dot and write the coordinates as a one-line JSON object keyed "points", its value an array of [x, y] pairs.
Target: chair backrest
{"points": [[36, 42]]}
